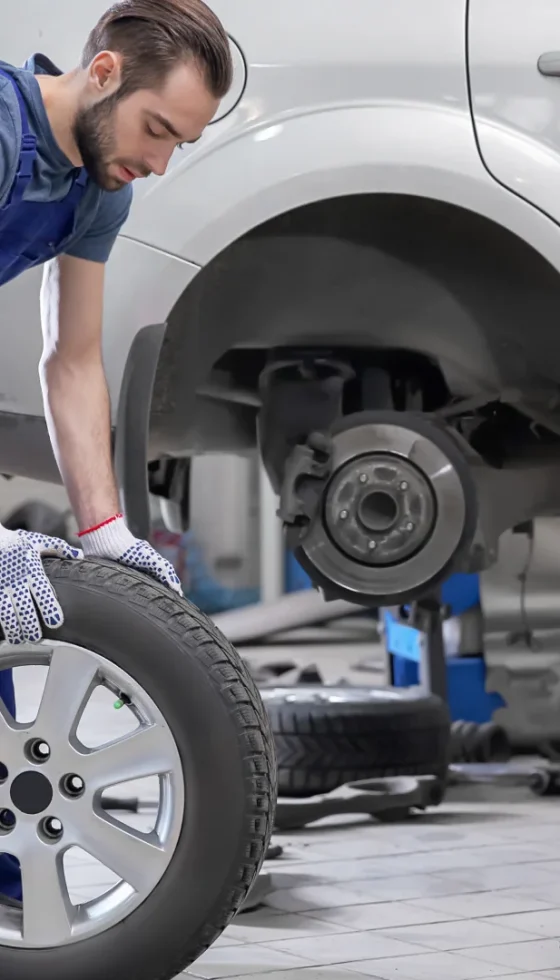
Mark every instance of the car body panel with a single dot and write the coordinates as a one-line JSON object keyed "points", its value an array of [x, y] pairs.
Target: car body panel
{"points": [[153, 282], [327, 101], [321, 115], [516, 108]]}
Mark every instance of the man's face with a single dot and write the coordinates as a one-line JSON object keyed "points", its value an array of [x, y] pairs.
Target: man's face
{"points": [[122, 139]]}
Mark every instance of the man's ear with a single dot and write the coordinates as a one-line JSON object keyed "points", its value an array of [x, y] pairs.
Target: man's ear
{"points": [[105, 72]]}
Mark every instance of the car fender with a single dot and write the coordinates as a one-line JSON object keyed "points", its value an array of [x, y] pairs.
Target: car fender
{"points": [[142, 286], [242, 175]]}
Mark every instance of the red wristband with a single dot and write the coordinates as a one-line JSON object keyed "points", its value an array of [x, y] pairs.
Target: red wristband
{"points": [[97, 527]]}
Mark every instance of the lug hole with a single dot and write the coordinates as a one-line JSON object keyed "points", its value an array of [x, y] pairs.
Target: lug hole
{"points": [[37, 751], [3, 773], [7, 821], [72, 786], [51, 829]]}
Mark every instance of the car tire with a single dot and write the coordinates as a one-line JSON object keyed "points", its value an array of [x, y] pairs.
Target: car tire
{"points": [[220, 727], [327, 736]]}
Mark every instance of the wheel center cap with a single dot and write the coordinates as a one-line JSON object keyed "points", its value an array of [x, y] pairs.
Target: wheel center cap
{"points": [[31, 792]]}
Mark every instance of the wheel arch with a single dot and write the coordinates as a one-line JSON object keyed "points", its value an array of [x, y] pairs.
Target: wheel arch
{"points": [[362, 271]]}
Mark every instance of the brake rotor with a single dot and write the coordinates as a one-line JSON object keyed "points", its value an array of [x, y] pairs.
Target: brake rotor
{"points": [[398, 510]]}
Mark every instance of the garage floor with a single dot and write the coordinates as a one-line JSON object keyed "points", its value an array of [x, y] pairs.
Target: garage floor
{"points": [[469, 890]]}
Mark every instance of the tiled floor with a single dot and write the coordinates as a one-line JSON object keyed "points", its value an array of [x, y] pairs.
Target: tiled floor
{"points": [[466, 891]]}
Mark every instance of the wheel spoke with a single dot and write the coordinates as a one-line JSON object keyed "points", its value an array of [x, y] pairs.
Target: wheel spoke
{"points": [[7, 721], [137, 858], [143, 753], [10, 743], [70, 681], [47, 910]]}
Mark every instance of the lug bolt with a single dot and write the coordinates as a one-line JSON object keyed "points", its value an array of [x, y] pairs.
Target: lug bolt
{"points": [[372, 545], [363, 478], [403, 485], [37, 751], [72, 786], [343, 515], [7, 821], [409, 526], [51, 829]]}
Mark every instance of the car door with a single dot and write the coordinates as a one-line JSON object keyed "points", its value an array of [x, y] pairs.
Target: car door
{"points": [[514, 74]]}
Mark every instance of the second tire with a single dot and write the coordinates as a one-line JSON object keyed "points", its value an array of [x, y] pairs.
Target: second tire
{"points": [[327, 736]]}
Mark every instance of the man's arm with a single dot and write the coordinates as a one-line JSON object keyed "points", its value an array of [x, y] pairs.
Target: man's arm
{"points": [[78, 414], [74, 386]]}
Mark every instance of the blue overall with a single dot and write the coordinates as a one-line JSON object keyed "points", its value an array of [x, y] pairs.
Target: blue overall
{"points": [[31, 233]]}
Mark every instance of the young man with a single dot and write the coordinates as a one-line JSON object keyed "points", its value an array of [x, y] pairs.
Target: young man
{"points": [[151, 77]]}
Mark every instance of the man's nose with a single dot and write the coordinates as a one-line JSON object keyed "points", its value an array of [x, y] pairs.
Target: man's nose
{"points": [[159, 162]]}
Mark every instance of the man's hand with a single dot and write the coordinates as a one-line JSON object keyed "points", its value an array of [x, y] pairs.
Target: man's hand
{"points": [[25, 590], [112, 539]]}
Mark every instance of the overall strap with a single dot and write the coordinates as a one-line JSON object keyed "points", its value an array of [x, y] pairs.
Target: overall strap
{"points": [[28, 147]]}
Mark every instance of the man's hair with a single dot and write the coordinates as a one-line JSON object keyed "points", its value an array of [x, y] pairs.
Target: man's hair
{"points": [[154, 36]]}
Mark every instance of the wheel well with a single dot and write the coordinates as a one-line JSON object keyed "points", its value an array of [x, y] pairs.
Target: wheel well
{"points": [[367, 276]]}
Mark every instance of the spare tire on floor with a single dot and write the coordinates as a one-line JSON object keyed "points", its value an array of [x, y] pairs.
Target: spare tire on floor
{"points": [[326, 736], [198, 728]]}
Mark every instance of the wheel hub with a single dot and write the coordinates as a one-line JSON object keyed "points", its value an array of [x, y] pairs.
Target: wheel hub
{"points": [[31, 792], [380, 509]]}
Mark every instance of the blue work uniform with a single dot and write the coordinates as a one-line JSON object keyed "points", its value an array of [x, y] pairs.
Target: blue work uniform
{"points": [[32, 231]]}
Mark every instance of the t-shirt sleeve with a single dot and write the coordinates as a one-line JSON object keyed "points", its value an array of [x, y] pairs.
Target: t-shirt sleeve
{"points": [[97, 242], [9, 141]]}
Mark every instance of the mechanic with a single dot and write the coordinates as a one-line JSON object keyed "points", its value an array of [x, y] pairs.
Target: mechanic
{"points": [[151, 78]]}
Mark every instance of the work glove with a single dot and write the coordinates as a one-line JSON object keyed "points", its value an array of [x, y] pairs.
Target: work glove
{"points": [[112, 539], [25, 591]]}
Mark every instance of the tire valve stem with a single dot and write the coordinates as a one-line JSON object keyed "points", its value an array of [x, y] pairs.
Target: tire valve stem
{"points": [[122, 701]]}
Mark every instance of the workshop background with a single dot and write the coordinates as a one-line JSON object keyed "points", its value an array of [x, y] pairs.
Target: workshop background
{"points": [[446, 865]]}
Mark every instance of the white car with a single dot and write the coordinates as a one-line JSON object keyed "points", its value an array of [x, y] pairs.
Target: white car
{"points": [[357, 267]]}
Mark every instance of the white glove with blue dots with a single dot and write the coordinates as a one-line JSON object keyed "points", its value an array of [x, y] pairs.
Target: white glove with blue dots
{"points": [[25, 591], [112, 539]]}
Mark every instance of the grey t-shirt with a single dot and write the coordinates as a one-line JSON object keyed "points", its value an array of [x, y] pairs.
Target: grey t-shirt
{"points": [[101, 214]]}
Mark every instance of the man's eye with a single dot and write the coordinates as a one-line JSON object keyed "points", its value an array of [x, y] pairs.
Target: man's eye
{"points": [[150, 132]]}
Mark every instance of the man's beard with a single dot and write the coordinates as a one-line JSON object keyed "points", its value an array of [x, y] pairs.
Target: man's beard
{"points": [[94, 135]]}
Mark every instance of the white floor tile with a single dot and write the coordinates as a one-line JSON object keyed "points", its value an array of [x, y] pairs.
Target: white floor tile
{"points": [[226, 940], [346, 948], [548, 892], [464, 934], [530, 976], [315, 897], [412, 887], [544, 923], [308, 973], [381, 915], [235, 961], [543, 954], [492, 879], [482, 904], [266, 925], [428, 966]]}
